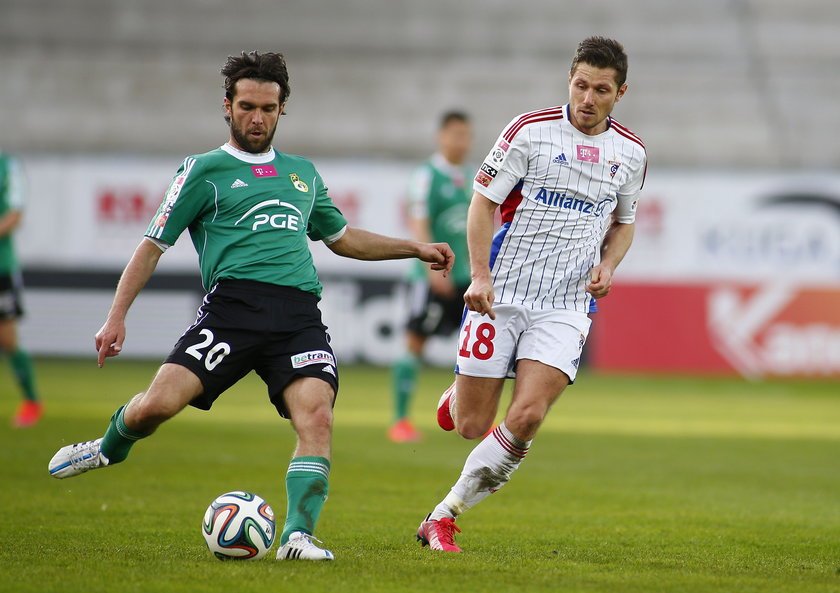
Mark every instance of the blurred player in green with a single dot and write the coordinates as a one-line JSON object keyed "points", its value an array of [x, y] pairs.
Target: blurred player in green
{"points": [[251, 212], [439, 196], [11, 307]]}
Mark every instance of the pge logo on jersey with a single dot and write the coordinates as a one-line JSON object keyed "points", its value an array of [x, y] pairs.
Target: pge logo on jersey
{"points": [[278, 220]]}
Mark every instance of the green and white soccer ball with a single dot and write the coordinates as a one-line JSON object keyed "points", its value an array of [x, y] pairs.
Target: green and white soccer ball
{"points": [[239, 526]]}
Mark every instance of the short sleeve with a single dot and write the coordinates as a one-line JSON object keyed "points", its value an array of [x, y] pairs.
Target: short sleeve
{"points": [[187, 197], [504, 166], [628, 194], [326, 222]]}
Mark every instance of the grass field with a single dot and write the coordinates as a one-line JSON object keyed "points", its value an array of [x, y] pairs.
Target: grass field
{"points": [[634, 484]]}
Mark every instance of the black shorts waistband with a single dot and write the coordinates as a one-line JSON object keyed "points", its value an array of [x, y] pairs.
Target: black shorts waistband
{"points": [[265, 289]]}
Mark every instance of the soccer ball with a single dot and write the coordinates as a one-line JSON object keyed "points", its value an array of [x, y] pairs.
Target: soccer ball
{"points": [[238, 526]]}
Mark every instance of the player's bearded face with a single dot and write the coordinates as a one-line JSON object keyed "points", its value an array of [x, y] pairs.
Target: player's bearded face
{"points": [[251, 137], [253, 114], [593, 92]]}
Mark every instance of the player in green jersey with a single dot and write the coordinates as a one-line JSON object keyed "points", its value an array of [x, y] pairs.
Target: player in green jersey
{"points": [[11, 307], [439, 196], [250, 211]]}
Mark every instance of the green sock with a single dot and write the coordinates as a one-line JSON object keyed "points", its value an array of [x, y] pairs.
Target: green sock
{"points": [[404, 378], [307, 484], [118, 438], [25, 373]]}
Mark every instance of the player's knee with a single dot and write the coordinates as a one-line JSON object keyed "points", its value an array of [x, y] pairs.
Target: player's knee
{"points": [[525, 419], [314, 421], [473, 428]]}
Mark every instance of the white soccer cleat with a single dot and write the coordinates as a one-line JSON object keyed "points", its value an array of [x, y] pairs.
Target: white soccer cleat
{"points": [[300, 547], [73, 460]]}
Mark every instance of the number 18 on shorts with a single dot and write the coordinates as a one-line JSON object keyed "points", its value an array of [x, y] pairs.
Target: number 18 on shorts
{"points": [[490, 348]]}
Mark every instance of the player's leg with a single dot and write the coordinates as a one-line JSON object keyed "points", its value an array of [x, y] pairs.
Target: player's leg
{"points": [[299, 368], [309, 404], [426, 313], [11, 309], [538, 386], [30, 409], [404, 381], [172, 388], [548, 352], [213, 354], [486, 348], [491, 463], [476, 404]]}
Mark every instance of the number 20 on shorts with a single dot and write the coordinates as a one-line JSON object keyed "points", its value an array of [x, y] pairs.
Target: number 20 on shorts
{"points": [[214, 355], [482, 341]]}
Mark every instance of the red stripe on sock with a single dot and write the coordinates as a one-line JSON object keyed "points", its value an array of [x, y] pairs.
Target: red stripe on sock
{"points": [[508, 446]]}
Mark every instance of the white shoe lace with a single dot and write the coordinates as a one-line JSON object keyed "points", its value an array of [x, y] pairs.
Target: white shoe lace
{"points": [[85, 456], [305, 540], [301, 545]]}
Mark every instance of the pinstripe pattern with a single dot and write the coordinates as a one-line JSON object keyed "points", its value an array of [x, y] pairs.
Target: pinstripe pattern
{"points": [[558, 189]]}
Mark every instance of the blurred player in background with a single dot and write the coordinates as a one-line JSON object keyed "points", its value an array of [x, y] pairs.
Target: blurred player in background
{"points": [[11, 287], [250, 211], [438, 198], [567, 179]]}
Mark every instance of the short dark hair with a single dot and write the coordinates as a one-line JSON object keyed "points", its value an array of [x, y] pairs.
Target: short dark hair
{"points": [[602, 53], [268, 66], [453, 115]]}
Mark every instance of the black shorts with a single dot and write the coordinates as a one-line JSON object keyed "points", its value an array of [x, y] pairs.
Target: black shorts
{"points": [[431, 314], [11, 301], [245, 325]]}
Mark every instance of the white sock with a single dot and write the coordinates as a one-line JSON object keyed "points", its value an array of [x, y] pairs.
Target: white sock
{"points": [[488, 468]]}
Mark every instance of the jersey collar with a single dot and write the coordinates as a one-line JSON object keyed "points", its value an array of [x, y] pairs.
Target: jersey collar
{"points": [[249, 157]]}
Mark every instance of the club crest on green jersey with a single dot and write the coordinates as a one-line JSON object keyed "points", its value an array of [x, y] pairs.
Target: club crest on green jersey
{"points": [[299, 185]]}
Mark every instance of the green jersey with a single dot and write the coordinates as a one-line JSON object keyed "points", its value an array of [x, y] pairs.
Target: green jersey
{"points": [[439, 192], [11, 199], [249, 216]]}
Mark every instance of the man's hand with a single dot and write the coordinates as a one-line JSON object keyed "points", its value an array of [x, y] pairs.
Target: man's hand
{"points": [[600, 281], [479, 296], [438, 254], [109, 340]]}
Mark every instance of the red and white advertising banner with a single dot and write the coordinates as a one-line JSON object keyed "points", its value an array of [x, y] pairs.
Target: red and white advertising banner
{"points": [[770, 329], [728, 273]]}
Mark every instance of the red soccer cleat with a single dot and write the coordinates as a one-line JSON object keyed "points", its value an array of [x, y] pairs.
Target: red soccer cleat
{"points": [[28, 413], [444, 410], [403, 431], [438, 535]]}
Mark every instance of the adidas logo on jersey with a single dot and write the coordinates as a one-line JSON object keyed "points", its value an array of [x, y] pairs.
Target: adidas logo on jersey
{"points": [[560, 159], [238, 183], [328, 369]]}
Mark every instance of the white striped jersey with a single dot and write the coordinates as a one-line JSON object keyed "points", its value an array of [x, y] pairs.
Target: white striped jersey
{"points": [[558, 189]]}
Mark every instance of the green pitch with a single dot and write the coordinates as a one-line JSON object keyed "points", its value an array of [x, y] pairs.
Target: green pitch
{"points": [[635, 484]]}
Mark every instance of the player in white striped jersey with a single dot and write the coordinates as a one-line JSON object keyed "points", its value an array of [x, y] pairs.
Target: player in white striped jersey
{"points": [[567, 180]]}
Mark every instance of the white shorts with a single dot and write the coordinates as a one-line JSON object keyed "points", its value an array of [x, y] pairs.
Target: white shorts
{"points": [[488, 348]]}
